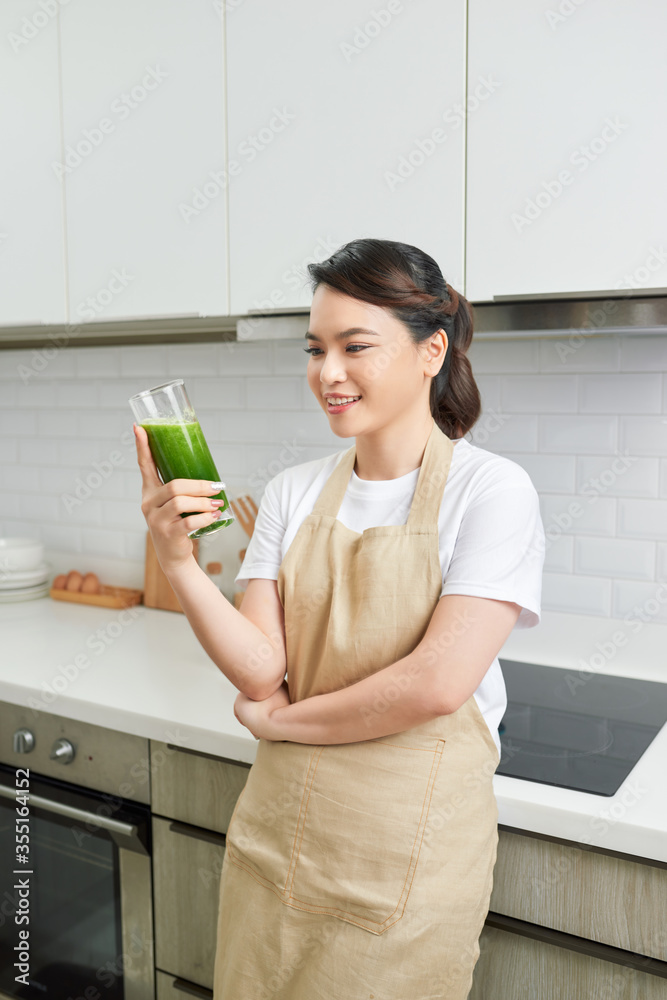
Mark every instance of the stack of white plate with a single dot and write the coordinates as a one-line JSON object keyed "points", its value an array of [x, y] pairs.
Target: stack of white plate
{"points": [[24, 575]]}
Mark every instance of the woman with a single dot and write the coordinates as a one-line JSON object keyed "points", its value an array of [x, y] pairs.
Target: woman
{"points": [[384, 579]]}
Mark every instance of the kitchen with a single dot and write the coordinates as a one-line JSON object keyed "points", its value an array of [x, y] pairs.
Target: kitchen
{"points": [[488, 135]]}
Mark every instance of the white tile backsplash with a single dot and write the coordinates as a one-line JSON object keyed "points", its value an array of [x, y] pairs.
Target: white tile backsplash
{"points": [[586, 416]]}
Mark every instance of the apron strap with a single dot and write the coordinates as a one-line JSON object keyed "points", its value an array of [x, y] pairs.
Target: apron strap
{"points": [[427, 497]]}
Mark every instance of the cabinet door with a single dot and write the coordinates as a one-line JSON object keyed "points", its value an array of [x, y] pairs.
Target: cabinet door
{"points": [[32, 274], [565, 166], [345, 120], [511, 967], [187, 863], [582, 892], [143, 106]]}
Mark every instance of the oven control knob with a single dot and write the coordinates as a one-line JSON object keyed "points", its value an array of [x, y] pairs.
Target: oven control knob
{"points": [[63, 751], [24, 741]]}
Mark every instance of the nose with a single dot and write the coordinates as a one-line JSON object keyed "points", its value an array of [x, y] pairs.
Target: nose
{"points": [[332, 370]]}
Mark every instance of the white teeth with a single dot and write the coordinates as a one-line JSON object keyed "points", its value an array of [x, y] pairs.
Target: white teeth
{"points": [[345, 399]]}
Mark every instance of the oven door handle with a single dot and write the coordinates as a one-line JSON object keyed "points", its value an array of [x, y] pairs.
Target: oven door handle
{"points": [[125, 835]]}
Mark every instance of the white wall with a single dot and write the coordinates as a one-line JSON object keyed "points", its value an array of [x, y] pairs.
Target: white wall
{"points": [[565, 409]]}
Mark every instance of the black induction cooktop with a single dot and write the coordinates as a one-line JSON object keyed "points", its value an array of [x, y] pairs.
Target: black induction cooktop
{"points": [[576, 729]]}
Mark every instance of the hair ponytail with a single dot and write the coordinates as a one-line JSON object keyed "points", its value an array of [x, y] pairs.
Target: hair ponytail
{"points": [[410, 284]]}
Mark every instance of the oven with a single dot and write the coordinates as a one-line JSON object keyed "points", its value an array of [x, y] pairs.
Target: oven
{"points": [[76, 917]]}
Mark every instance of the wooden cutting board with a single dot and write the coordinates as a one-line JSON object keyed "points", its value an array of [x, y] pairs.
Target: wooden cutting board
{"points": [[158, 592]]}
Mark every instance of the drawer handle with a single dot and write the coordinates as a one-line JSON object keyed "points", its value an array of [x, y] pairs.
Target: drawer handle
{"points": [[208, 756], [198, 833], [196, 991], [572, 942]]}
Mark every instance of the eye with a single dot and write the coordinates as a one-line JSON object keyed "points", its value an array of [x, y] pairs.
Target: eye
{"points": [[314, 351]]}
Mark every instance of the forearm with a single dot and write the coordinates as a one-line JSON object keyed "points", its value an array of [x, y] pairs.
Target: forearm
{"points": [[252, 661], [391, 700]]}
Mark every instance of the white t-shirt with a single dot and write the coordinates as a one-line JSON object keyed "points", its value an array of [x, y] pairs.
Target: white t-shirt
{"points": [[491, 536]]}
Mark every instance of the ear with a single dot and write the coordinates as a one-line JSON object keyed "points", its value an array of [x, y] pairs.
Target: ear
{"points": [[434, 351]]}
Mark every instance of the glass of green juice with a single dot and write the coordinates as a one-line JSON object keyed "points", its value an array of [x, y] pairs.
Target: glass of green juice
{"points": [[177, 442]]}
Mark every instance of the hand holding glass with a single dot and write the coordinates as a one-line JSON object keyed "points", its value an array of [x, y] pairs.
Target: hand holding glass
{"points": [[177, 442]]}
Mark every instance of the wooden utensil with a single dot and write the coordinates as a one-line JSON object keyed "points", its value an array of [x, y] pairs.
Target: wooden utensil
{"points": [[158, 592], [245, 510]]}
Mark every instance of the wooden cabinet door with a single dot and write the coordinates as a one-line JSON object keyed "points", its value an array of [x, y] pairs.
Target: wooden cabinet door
{"points": [[187, 863], [511, 967]]}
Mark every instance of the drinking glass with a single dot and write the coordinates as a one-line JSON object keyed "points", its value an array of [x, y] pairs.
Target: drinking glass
{"points": [[177, 442]]}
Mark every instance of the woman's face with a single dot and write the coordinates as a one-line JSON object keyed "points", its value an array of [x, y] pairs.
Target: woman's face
{"points": [[375, 360]]}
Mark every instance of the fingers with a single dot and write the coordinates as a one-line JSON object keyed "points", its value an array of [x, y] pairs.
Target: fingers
{"points": [[149, 473]]}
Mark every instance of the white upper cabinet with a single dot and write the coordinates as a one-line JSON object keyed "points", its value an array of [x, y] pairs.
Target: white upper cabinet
{"points": [[144, 129], [32, 268], [345, 120], [566, 159]]}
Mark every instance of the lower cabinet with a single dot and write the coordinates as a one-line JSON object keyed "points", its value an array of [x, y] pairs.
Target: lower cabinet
{"points": [[565, 922], [513, 967], [568, 922], [187, 862], [193, 796]]}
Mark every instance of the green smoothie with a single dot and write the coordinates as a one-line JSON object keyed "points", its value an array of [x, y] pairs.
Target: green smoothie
{"points": [[180, 452]]}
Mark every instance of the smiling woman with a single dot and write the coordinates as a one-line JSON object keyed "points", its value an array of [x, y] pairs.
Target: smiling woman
{"points": [[396, 568]]}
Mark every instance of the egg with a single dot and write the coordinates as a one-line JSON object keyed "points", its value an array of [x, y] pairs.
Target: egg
{"points": [[74, 580], [91, 584], [59, 582]]}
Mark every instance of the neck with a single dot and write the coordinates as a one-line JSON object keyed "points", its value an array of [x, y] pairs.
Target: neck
{"points": [[392, 451]]}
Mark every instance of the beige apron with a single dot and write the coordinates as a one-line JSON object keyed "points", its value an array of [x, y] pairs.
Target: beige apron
{"points": [[361, 871]]}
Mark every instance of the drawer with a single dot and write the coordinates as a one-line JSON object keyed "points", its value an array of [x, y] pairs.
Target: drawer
{"points": [[195, 787], [187, 862], [173, 988], [583, 892], [513, 967]]}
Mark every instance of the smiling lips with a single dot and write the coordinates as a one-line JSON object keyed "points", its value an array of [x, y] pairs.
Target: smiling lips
{"points": [[339, 403]]}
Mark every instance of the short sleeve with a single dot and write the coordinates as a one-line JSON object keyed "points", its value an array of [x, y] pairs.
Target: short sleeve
{"points": [[499, 551], [264, 552]]}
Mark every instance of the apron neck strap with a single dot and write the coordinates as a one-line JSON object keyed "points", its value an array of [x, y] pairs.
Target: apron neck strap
{"points": [[427, 497]]}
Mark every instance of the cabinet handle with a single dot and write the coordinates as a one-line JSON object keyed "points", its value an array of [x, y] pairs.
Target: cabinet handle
{"points": [[208, 756], [198, 833], [572, 942], [196, 991]]}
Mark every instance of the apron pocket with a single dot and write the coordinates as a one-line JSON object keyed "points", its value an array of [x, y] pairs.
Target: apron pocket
{"points": [[360, 828], [262, 831]]}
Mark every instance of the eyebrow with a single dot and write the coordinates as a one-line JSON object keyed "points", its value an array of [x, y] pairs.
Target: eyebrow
{"points": [[353, 331]]}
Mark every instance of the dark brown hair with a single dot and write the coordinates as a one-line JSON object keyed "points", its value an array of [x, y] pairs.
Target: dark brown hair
{"points": [[409, 283]]}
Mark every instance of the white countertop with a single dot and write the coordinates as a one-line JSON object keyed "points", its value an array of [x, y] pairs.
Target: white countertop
{"points": [[142, 671]]}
